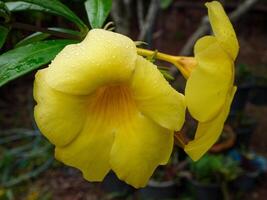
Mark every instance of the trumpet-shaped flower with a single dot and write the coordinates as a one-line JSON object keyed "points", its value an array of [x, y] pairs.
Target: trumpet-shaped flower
{"points": [[209, 90], [106, 108]]}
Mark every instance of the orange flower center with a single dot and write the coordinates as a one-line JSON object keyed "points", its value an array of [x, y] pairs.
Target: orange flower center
{"points": [[113, 104]]}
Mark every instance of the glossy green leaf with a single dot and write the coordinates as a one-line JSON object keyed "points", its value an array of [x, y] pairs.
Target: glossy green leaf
{"points": [[22, 60], [3, 35], [35, 37], [64, 30], [39, 36], [51, 6], [22, 6], [97, 11]]}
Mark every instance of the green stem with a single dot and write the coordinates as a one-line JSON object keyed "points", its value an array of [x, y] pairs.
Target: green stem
{"points": [[224, 188]]}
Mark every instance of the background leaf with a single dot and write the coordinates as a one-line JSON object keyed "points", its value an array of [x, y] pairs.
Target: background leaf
{"points": [[64, 30], [19, 61], [97, 11], [3, 35], [164, 4], [39, 36], [21, 6], [35, 37], [51, 6]]}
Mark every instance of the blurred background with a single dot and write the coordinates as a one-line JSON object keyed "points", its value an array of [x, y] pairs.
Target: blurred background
{"points": [[235, 167]]}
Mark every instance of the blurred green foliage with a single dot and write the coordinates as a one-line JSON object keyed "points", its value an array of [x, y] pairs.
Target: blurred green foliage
{"points": [[216, 168], [24, 154]]}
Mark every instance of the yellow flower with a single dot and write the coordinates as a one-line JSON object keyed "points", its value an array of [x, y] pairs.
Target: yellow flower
{"points": [[106, 108], [209, 90]]}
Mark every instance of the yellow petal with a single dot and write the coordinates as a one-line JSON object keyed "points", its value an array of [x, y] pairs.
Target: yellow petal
{"points": [[208, 85], [155, 97], [90, 151], [108, 108], [59, 116], [140, 145], [223, 28], [208, 133], [103, 57]]}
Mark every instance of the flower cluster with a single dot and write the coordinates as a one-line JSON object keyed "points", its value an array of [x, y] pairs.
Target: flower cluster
{"points": [[105, 107]]}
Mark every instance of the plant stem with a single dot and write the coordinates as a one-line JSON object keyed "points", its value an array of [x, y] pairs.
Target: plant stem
{"points": [[184, 64], [225, 190]]}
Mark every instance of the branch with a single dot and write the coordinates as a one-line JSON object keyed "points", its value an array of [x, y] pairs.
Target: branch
{"points": [[202, 29], [150, 18], [204, 26], [140, 13], [121, 14], [228, 5], [242, 9]]}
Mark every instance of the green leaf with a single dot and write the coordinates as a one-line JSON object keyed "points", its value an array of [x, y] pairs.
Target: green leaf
{"points": [[51, 6], [22, 6], [97, 11], [164, 4], [22, 60], [35, 37], [3, 35], [39, 36], [64, 30]]}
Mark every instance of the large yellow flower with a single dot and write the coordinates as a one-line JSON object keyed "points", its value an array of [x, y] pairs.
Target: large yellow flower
{"points": [[104, 107], [209, 90]]}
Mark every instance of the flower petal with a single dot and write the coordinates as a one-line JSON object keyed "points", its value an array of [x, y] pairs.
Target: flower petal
{"points": [[139, 147], [155, 97], [108, 108], [223, 28], [90, 151], [208, 133], [59, 116], [103, 57], [208, 85]]}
